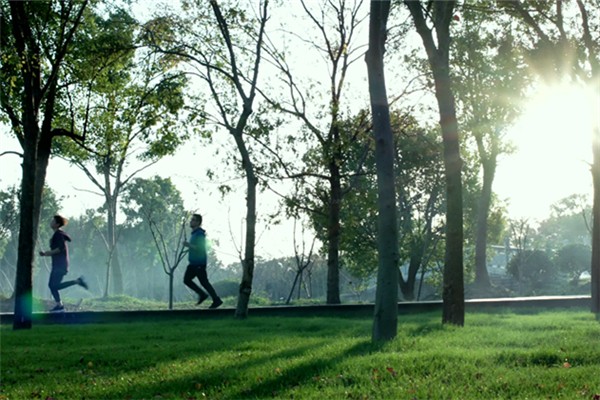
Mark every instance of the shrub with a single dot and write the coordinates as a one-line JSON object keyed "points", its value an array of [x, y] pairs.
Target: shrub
{"points": [[574, 259], [227, 288], [533, 267]]}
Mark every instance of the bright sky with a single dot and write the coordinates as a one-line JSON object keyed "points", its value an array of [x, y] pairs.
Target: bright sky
{"points": [[554, 151]]}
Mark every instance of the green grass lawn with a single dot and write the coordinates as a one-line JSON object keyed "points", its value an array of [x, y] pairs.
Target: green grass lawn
{"points": [[503, 355]]}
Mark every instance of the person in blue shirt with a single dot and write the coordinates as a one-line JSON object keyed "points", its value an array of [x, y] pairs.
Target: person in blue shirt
{"points": [[197, 263], [59, 251]]}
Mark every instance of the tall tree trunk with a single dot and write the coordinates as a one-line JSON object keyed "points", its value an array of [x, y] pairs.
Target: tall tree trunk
{"points": [[241, 311], [27, 240], [333, 235], [30, 205], [453, 286], [453, 290], [482, 278], [35, 164], [237, 132], [171, 275], [385, 321], [111, 199], [113, 263]]}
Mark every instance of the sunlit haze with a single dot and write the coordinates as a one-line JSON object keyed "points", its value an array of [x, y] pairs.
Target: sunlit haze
{"points": [[553, 151]]}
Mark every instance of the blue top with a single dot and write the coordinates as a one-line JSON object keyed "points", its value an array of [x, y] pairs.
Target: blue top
{"points": [[197, 253]]}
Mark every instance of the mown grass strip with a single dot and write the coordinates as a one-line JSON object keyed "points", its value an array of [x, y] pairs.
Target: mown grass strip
{"points": [[496, 355]]}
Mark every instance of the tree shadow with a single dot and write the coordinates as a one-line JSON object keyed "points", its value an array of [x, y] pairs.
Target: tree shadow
{"points": [[216, 381]]}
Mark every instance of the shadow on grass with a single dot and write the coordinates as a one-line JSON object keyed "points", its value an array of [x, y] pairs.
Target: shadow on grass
{"points": [[226, 382], [304, 373]]}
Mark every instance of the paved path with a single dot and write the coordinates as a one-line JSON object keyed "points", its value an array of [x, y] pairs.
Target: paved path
{"points": [[343, 310]]}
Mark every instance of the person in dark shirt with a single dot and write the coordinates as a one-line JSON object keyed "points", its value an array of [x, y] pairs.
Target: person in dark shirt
{"points": [[197, 263], [59, 251]]}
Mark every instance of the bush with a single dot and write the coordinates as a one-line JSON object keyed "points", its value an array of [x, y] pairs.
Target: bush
{"points": [[574, 259], [533, 267], [227, 288]]}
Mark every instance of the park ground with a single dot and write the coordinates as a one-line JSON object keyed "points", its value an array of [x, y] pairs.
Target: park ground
{"points": [[505, 354]]}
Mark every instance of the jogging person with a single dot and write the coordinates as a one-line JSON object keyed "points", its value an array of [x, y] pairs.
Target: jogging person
{"points": [[197, 263], [59, 251]]}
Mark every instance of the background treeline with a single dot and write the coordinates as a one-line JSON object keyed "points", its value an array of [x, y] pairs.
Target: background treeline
{"points": [[282, 108], [553, 259]]}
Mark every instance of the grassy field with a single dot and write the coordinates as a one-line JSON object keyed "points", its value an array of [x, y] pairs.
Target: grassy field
{"points": [[503, 355]]}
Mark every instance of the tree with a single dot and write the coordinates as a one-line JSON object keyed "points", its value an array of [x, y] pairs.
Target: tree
{"points": [[303, 264], [385, 321], [573, 259], [532, 267], [490, 77], [129, 110], [158, 204], [563, 42], [36, 37], [222, 59], [520, 234], [419, 186], [570, 222], [320, 181], [438, 54]]}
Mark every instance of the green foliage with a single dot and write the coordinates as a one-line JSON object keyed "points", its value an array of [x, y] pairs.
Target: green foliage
{"points": [[156, 200], [419, 181], [227, 288], [125, 99], [574, 259], [557, 51], [533, 267], [154, 207], [499, 355], [568, 223], [48, 24]]}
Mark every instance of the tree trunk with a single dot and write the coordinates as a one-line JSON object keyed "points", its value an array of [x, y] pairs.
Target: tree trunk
{"points": [[482, 278], [111, 199], [416, 258], [241, 311], [453, 291], [27, 240], [385, 321], [35, 164], [289, 298], [171, 276], [115, 265], [453, 286], [333, 235]]}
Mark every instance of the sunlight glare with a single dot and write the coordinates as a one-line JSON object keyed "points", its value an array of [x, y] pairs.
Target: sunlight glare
{"points": [[553, 140]]}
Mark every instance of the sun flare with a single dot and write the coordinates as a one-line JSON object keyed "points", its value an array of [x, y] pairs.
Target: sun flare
{"points": [[559, 120], [553, 150]]}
